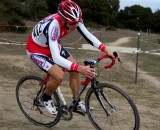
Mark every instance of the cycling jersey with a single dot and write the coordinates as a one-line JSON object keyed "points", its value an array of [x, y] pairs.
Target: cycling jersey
{"points": [[46, 36]]}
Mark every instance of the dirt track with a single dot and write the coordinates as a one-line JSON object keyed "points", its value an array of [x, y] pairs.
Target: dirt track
{"points": [[14, 64]]}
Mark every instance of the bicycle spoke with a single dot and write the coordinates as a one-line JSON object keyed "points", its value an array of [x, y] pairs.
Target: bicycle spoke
{"points": [[30, 103], [122, 116]]}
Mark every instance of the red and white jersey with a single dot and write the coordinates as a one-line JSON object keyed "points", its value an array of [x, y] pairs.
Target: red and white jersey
{"points": [[47, 34]]}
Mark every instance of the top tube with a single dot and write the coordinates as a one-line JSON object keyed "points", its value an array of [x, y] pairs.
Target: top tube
{"points": [[93, 63]]}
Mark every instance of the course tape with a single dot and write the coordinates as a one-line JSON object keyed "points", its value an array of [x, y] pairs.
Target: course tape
{"points": [[119, 49]]}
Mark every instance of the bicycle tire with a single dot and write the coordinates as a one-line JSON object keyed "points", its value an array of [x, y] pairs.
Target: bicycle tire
{"points": [[126, 115], [26, 91]]}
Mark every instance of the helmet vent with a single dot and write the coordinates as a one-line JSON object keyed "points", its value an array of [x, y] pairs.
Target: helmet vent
{"points": [[70, 11], [75, 12]]}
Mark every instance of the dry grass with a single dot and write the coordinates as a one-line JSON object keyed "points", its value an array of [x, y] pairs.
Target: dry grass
{"points": [[15, 64]]}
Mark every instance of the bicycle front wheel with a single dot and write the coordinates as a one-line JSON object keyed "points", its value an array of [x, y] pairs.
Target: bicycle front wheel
{"points": [[31, 104], [113, 109]]}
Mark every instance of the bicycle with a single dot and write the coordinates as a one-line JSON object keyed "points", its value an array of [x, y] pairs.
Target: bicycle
{"points": [[112, 107]]}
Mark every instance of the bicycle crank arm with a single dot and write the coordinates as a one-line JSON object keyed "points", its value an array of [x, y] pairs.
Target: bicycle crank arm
{"points": [[79, 112]]}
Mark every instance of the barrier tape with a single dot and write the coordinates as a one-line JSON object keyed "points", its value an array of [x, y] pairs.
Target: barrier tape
{"points": [[133, 52], [149, 42], [11, 41], [17, 26], [73, 42]]}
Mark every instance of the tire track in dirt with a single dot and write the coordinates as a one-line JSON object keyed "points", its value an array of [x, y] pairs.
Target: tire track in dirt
{"points": [[143, 74], [131, 66]]}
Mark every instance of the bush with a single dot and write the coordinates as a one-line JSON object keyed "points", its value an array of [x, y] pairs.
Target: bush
{"points": [[92, 25], [111, 28], [16, 24]]}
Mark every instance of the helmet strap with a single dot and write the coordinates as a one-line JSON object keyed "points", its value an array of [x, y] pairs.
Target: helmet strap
{"points": [[66, 26]]}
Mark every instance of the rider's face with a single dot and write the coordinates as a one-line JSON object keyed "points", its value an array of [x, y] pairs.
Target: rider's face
{"points": [[72, 26]]}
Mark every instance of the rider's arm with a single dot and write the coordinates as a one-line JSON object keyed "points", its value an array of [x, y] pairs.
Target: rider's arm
{"points": [[90, 37], [93, 40], [55, 50]]}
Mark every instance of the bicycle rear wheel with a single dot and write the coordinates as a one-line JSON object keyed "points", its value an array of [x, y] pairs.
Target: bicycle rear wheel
{"points": [[122, 112], [26, 93]]}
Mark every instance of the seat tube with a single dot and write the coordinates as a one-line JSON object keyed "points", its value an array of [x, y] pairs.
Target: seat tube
{"points": [[61, 97]]}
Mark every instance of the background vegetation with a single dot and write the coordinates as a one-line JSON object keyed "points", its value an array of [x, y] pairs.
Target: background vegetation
{"points": [[97, 12]]}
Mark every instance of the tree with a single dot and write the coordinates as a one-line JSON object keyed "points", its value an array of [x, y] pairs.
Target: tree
{"points": [[52, 5], [2, 13], [103, 12], [99, 11], [34, 9], [113, 6], [13, 12], [30, 9], [156, 23], [136, 17]]}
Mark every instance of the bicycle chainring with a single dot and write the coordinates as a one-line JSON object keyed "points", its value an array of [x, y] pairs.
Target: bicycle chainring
{"points": [[65, 112]]}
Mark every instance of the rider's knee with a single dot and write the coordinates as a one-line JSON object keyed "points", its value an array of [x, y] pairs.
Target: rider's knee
{"points": [[59, 78]]}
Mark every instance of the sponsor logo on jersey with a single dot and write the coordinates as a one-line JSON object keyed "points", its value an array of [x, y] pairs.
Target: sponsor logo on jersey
{"points": [[54, 33], [63, 53], [38, 60]]}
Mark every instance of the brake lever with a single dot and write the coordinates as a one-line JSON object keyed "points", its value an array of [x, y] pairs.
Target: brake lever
{"points": [[119, 60], [116, 55]]}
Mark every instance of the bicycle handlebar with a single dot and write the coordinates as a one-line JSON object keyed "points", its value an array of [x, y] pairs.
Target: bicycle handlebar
{"points": [[107, 56], [92, 64]]}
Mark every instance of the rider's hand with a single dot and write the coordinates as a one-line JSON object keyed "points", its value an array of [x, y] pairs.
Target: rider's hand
{"points": [[108, 52], [87, 71]]}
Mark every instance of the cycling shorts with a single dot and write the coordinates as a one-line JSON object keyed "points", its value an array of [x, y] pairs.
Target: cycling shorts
{"points": [[45, 62]]}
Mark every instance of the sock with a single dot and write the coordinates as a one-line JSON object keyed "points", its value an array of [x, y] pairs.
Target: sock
{"points": [[75, 101], [46, 97]]}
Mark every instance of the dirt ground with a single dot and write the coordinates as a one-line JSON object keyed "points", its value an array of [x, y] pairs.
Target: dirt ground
{"points": [[15, 64]]}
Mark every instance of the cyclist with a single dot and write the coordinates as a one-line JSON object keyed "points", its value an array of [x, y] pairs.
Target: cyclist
{"points": [[44, 50]]}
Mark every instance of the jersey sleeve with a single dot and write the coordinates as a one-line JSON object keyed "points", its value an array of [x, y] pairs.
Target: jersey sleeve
{"points": [[55, 50], [90, 37]]}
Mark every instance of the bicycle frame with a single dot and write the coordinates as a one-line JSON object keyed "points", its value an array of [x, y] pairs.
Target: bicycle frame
{"points": [[60, 94], [107, 100], [83, 87], [102, 100]]}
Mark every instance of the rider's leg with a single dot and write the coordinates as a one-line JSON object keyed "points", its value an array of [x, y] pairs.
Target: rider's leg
{"points": [[74, 80], [75, 83], [56, 77], [75, 86]]}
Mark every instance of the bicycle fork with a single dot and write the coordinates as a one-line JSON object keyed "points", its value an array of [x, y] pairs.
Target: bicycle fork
{"points": [[99, 94]]}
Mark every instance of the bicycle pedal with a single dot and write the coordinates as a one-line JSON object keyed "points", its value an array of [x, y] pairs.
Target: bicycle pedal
{"points": [[63, 109]]}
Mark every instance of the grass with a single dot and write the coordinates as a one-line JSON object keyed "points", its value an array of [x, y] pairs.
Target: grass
{"points": [[150, 63], [144, 94], [147, 62]]}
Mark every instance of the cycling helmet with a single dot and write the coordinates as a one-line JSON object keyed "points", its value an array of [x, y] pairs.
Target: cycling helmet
{"points": [[69, 11]]}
